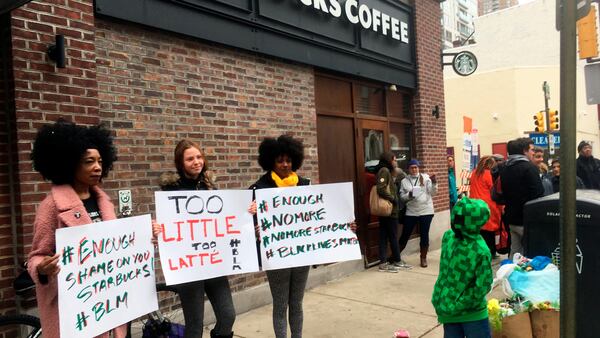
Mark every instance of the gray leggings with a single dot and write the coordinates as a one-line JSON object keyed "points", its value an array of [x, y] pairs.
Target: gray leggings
{"points": [[287, 289], [191, 296]]}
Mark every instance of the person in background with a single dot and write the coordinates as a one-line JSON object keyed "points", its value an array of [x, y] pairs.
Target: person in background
{"points": [[388, 225], [538, 156], [588, 167], [75, 159], [465, 276], [452, 182], [520, 181], [481, 188], [192, 174], [555, 178], [538, 161], [499, 158], [546, 183], [417, 190]]}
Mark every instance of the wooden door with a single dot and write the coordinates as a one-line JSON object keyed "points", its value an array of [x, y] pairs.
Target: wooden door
{"points": [[372, 140]]}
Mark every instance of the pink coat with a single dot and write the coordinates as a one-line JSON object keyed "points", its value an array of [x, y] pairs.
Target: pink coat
{"points": [[61, 208]]}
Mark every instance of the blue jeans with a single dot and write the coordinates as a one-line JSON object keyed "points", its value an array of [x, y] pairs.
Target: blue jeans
{"points": [[475, 329]]}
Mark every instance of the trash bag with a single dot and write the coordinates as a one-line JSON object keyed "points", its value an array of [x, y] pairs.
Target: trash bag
{"points": [[536, 286]]}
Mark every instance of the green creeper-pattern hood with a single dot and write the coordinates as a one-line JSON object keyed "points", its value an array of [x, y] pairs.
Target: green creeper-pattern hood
{"points": [[465, 275]]}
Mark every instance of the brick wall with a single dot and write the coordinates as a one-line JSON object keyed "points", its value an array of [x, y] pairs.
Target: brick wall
{"points": [[156, 88], [7, 266], [430, 132], [43, 93]]}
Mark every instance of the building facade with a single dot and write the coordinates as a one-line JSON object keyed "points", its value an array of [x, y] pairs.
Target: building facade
{"points": [[488, 6], [502, 96], [457, 22], [225, 73]]}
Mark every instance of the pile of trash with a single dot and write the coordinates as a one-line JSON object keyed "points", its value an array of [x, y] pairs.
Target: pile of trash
{"points": [[529, 285]]}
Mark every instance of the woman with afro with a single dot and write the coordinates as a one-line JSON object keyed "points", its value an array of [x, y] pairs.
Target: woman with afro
{"points": [[75, 159], [192, 174], [280, 158]]}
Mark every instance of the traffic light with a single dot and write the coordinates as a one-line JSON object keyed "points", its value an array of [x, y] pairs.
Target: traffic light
{"points": [[553, 120], [588, 35], [538, 119]]}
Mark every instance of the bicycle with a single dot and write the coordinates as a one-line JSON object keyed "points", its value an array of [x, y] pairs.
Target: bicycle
{"points": [[21, 325], [154, 324]]}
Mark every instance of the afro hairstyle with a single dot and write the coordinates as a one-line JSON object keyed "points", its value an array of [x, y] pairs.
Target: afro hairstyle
{"points": [[270, 149], [58, 148]]}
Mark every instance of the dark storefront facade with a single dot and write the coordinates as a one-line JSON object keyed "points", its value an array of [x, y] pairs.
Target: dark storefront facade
{"points": [[349, 78]]}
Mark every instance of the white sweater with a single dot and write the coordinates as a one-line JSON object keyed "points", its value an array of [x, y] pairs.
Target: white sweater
{"points": [[421, 203]]}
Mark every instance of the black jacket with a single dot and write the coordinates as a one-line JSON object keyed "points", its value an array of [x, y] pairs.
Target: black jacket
{"points": [[556, 183], [172, 181], [520, 183], [588, 169]]}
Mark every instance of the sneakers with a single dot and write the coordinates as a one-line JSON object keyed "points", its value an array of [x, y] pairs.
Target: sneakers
{"points": [[385, 267], [402, 265]]}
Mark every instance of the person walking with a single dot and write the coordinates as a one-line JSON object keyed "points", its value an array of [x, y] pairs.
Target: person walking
{"points": [[520, 182], [192, 174], [388, 225], [75, 159], [481, 188], [588, 167], [465, 276], [417, 190]]}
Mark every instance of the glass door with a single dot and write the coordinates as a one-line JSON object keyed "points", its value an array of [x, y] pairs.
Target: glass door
{"points": [[372, 141]]}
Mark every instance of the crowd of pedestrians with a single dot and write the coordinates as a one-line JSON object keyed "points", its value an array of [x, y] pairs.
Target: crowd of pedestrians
{"points": [[506, 186]]}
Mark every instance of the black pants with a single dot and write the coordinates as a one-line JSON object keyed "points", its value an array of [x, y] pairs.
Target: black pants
{"points": [[490, 240], [388, 232]]}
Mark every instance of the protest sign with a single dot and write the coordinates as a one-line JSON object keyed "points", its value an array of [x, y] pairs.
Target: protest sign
{"points": [[306, 225], [205, 234], [106, 275]]}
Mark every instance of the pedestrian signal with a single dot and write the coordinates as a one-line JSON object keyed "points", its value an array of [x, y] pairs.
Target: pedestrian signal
{"points": [[538, 119], [553, 120], [587, 33]]}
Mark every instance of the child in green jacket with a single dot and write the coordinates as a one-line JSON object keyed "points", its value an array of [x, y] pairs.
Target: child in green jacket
{"points": [[465, 276]]}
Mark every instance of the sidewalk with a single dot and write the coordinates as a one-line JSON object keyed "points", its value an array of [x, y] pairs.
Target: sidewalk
{"points": [[366, 304]]}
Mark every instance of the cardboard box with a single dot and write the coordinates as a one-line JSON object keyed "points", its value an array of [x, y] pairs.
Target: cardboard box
{"points": [[517, 326], [545, 324]]}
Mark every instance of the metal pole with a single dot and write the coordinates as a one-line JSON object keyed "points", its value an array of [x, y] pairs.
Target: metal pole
{"points": [[546, 89], [568, 105]]}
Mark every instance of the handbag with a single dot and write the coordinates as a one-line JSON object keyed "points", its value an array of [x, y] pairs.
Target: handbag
{"points": [[379, 206], [502, 239]]}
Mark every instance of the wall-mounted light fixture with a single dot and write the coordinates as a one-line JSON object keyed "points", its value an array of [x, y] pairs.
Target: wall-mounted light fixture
{"points": [[392, 88], [436, 112], [56, 52]]}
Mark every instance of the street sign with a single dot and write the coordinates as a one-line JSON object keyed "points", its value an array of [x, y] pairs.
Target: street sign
{"points": [[541, 139]]}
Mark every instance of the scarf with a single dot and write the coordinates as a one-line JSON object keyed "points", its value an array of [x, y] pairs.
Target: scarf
{"points": [[290, 181]]}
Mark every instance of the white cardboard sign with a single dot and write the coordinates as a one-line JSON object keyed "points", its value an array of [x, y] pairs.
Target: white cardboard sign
{"points": [[205, 234], [106, 275], [306, 225]]}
